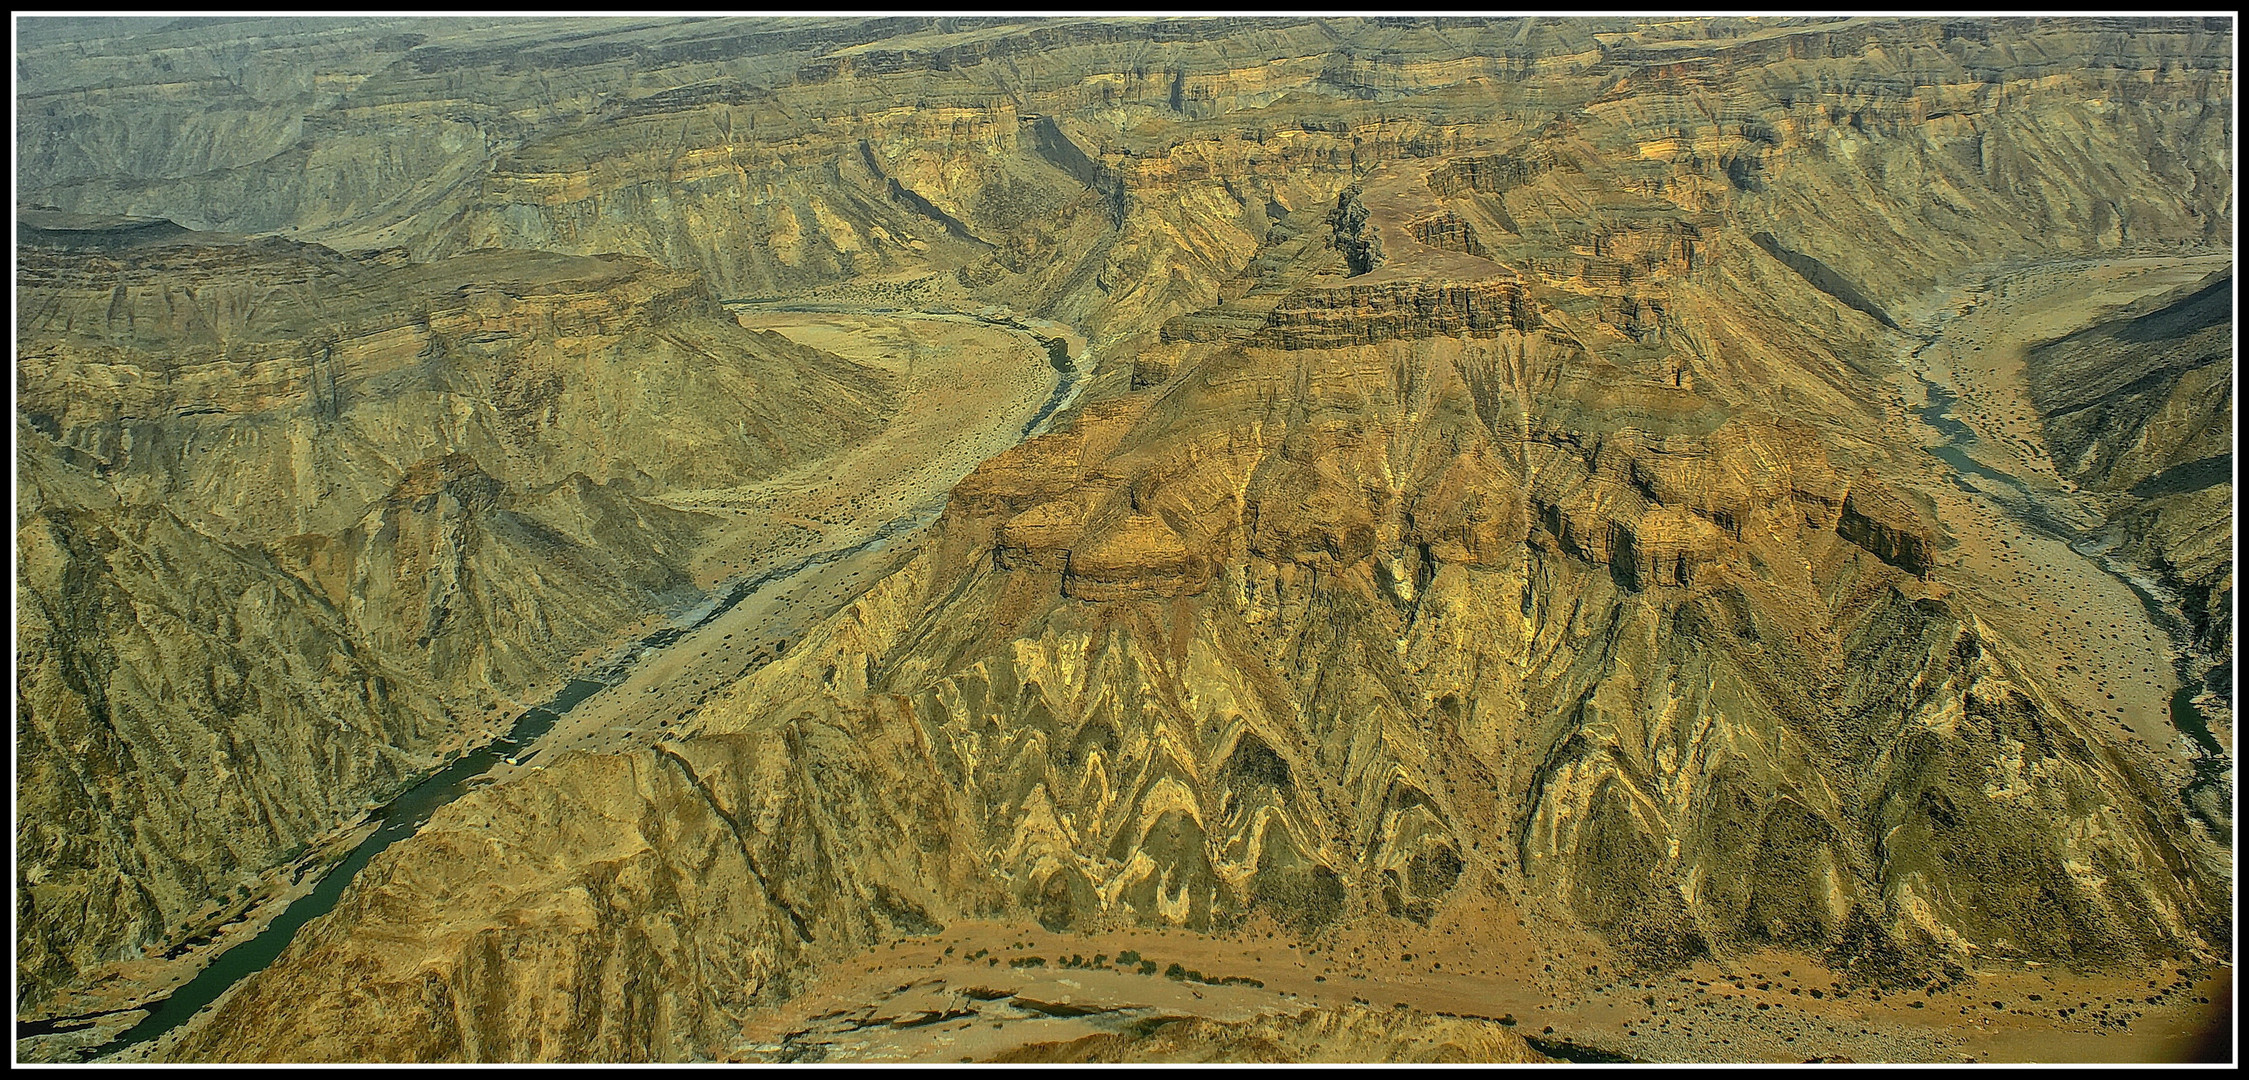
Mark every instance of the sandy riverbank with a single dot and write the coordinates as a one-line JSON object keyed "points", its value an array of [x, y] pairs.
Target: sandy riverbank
{"points": [[2085, 631], [968, 389]]}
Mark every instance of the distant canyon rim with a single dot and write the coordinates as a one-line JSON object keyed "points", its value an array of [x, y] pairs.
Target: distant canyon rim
{"points": [[932, 539]]}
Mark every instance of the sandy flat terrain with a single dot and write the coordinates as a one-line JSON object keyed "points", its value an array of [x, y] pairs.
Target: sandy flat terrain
{"points": [[1982, 353], [2085, 629], [967, 390], [979, 989], [660, 693]]}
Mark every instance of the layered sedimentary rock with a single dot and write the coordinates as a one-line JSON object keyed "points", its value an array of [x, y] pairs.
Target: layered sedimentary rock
{"points": [[1384, 702], [1572, 568], [294, 523], [1878, 520], [776, 156], [1368, 314]]}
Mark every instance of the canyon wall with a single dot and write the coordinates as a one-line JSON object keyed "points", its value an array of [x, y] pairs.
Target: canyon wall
{"points": [[295, 524], [1484, 490]]}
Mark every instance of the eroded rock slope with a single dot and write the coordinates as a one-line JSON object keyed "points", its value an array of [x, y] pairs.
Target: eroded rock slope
{"points": [[294, 523], [2143, 406], [1485, 494]]}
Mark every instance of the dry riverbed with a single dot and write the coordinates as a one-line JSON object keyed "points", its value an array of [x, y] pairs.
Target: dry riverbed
{"points": [[2087, 632], [981, 991], [968, 389]]}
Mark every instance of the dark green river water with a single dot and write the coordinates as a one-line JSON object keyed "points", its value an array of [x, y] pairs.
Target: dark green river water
{"points": [[405, 815], [2210, 766], [399, 819]]}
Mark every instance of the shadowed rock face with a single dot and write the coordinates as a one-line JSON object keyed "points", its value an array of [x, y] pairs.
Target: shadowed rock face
{"points": [[1876, 519], [1573, 565], [2143, 404], [294, 523]]}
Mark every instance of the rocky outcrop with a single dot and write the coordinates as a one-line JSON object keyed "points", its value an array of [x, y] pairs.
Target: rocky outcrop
{"points": [[1138, 556], [2187, 538], [1448, 232], [1361, 247], [2142, 405], [1368, 314], [297, 524], [1876, 518], [1653, 508], [2147, 392], [91, 232], [1578, 576], [1494, 174]]}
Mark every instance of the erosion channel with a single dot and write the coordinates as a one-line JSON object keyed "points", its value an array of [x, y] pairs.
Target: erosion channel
{"points": [[1971, 348], [802, 546]]}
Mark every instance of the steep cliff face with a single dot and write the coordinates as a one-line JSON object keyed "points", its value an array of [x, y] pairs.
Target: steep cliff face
{"points": [[1485, 495], [296, 523], [1058, 168]]}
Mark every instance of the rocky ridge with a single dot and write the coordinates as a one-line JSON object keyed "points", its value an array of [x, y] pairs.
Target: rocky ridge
{"points": [[2142, 406], [1572, 569], [297, 523]]}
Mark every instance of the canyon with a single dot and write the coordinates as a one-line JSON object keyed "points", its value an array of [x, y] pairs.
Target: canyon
{"points": [[1443, 539]]}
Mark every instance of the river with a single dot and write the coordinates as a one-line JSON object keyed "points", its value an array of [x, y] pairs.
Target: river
{"points": [[404, 815], [2211, 767]]}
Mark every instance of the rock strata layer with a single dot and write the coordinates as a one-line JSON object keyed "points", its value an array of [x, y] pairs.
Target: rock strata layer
{"points": [[1488, 489], [294, 524]]}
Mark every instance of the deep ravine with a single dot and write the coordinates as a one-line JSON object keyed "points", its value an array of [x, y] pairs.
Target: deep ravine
{"points": [[2212, 767], [404, 815]]}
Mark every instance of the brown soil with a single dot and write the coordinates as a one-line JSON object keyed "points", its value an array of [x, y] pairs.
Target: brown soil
{"points": [[2088, 631], [962, 994]]}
